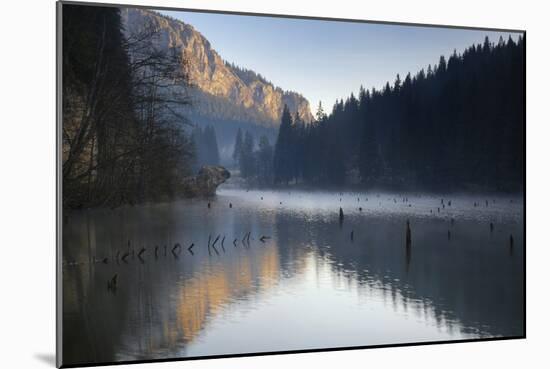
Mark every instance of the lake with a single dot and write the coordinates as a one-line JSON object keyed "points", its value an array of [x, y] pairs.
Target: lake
{"points": [[307, 284]]}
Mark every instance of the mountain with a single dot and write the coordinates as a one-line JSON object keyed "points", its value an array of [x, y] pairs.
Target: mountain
{"points": [[222, 91]]}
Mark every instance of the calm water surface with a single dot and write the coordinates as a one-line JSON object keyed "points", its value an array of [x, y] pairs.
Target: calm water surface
{"points": [[307, 286]]}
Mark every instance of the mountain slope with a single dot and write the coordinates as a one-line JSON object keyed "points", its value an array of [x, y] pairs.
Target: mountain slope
{"points": [[222, 91]]}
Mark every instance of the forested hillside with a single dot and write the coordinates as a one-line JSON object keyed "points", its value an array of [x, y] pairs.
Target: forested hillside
{"points": [[459, 125]]}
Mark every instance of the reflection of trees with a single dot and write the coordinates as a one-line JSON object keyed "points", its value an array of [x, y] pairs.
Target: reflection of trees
{"points": [[159, 310], [471, 280], [163, 306]]}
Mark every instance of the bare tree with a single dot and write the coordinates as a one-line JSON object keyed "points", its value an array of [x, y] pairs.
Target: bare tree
{"points": [[123, 128]]}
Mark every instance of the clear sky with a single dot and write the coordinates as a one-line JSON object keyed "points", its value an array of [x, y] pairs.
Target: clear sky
{"points": [[327, 60]]}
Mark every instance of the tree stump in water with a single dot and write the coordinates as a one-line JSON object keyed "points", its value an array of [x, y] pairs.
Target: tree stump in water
{"points": [[408, 235]]}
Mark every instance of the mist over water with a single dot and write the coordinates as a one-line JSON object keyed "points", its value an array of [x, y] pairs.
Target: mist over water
{"points": [[307, 285]]}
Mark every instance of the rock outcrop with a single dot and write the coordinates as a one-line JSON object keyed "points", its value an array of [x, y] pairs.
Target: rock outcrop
{"points": [[205, 182], [222, 91]]}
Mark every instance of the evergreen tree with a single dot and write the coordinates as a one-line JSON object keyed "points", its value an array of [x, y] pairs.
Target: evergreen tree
{"points": [[238, 145], [320, 114], [211, 146], [282, 160], [206, 146], [265, 161], [455, 127], [247, 159]]}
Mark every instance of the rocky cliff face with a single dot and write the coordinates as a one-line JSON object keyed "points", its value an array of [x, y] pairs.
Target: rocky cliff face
{"points": [[222, 90]]}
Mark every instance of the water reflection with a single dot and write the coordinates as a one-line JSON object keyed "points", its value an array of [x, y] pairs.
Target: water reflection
{"points": [[307, 286]]}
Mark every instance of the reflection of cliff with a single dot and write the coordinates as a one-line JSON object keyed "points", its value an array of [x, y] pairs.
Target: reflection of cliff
{"points": [[471, 283], [212, 289], [158, 311]]}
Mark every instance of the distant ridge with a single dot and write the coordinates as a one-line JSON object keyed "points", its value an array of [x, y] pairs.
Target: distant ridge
{"points": [[223, 91]]}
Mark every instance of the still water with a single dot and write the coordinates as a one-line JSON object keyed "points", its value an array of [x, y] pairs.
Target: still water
{"points": [[305, 285]]}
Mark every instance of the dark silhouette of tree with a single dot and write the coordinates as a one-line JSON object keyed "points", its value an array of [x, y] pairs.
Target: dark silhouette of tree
{"points": [[283, 156], [320, 114], [256, 166], [123, 140], [456, 126], [238, 145], [264, 161], [206, 147], [247, 161]]}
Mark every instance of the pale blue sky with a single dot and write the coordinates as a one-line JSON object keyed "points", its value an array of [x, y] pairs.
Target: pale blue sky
{"points": [[327, 60]]}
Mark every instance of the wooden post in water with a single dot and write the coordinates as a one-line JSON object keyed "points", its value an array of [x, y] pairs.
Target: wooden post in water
{"points": [[408, 245], [408, 235]]}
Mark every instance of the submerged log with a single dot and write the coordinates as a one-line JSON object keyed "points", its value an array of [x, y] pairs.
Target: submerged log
{"points": [[216, 240], [112, 283], [141, 252], [176, 249]]}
